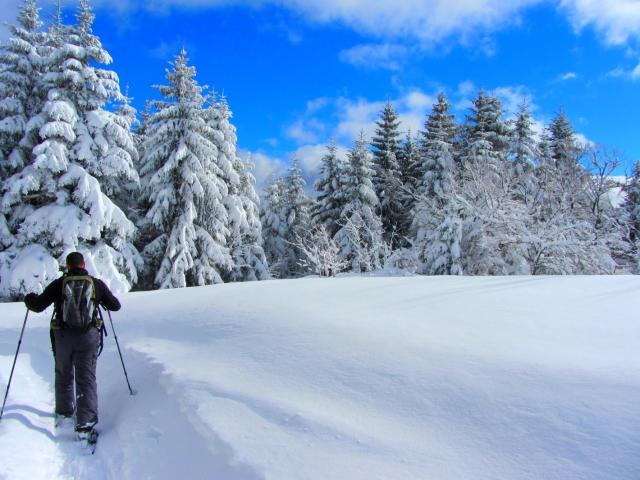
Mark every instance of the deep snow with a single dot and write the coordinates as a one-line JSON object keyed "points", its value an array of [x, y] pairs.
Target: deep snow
{"points": [[348, 378]]}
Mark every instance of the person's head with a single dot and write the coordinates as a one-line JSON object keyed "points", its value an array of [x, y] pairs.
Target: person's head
{"points": [[75, 260]]}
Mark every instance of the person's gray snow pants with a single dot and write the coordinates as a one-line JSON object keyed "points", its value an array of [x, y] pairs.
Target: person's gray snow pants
{"points": [[77, 352]]}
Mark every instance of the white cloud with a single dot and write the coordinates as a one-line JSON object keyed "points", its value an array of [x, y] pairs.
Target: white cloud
{"points": [[583, 141], [466, 88], [620, 72], [304, 130], [617, 20], [309, 128], [417, 99], [361, 114], [344, 118], [512, 97], [375, 56], [427, 21], [617, 72], [265, 167], [355, 117], [567, 76], [310, 159], [317, 104], [424, 21]]}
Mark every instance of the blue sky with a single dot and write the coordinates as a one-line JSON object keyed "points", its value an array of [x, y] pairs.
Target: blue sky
{"points": [[297, 73]]}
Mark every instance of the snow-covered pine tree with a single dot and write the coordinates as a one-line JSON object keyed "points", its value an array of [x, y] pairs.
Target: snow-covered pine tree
{"points": [[523, 146], [331, 191], [275, 229], [20, 98], [21, 67], [486, 189], [410, 164], [250, 261], [386, 179], [184, 188], [125, 145], [56, 202], [571, 177], [360, 236], [286, 223], [410, 177], [487, 141], [245, 232], [298, 207], [437, 150], [525, 157], [437, 222]]}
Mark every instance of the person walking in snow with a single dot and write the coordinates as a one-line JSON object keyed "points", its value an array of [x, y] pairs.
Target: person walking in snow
{"points": [[76, 336]]}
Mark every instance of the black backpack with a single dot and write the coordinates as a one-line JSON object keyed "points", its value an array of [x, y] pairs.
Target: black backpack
{"points": [[78, 302]]}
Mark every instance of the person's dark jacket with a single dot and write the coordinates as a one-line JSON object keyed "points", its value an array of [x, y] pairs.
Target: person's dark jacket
{"points": [[53, 294]]}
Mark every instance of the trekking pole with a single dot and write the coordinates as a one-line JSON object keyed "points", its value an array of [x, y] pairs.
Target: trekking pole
{"points": [[131, 391], [14, 364]]}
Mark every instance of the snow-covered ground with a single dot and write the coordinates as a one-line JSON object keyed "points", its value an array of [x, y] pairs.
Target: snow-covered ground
{"points": [[349, 378]]}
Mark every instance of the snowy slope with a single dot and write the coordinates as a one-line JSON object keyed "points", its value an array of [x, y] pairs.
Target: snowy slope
{"points": [[349, 378]]}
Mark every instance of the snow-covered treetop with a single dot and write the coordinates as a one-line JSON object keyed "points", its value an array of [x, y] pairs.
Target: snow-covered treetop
{"points": [[182, 85]]}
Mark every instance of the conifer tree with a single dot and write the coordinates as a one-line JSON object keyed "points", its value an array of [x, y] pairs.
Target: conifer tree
{"points": [[21, 98], [360, 235], [485, 186], [56, 203], [286, 224], [437, 150], [523, 146], [275, 229], [331, 191], [298, 208], [410, 163], [567, 178], [386, 179], [487, 140], [525, 156], [186, 221], [437, 222], [245, 232], [249, 258], [562, 140]]}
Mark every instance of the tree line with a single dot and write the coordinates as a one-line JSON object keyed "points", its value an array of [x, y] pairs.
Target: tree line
{"points": [[483, 197]]}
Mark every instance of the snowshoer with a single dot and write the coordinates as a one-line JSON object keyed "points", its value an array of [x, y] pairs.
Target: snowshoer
{"points": [[76, 338]]}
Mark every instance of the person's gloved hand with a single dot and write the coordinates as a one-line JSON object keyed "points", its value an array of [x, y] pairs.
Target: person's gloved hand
{"points": [[29, 299]]}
